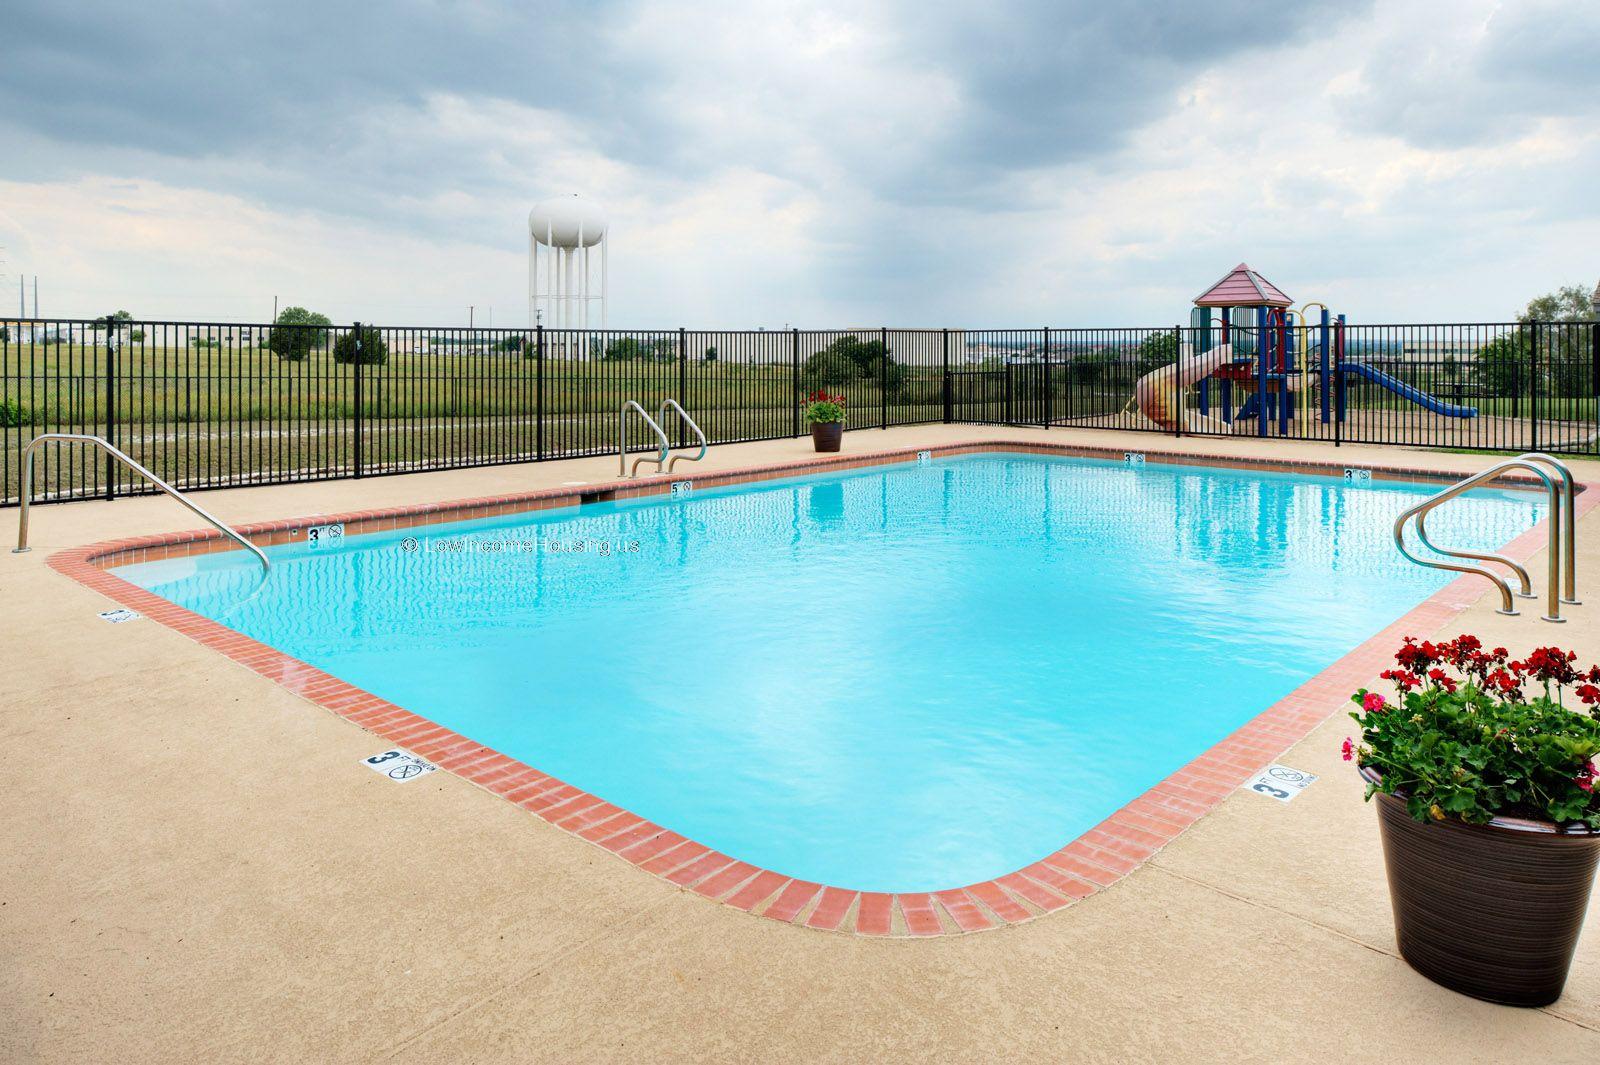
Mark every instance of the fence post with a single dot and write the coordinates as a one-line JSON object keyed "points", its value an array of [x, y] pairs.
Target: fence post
{"points": [[355, 352], [1177, 393], [111, 404], [1533, 385], [683, 383], [1047, 411], [794, 384], [883, 379], [1338, 385], [1594, 358], [946, 376], [538, 392]]}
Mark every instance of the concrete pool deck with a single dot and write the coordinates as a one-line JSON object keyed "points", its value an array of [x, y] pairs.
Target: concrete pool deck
{"points": [[201, 870]]}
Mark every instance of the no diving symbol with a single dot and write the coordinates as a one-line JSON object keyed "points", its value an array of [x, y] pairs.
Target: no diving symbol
{"points": [[398, 765], [1279, 782]]}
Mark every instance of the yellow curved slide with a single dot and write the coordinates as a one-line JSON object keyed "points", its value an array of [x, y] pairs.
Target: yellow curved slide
{"points": [[1159, 394]]}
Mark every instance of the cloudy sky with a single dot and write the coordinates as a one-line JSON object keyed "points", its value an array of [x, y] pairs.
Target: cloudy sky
{"points": [[1016, 162]]}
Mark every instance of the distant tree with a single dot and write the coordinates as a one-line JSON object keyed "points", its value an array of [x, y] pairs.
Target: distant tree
{"points": [[373, 350], [1087, 368], [121, 316], [1564, 351], [511, 343], [1155, 351], [303, 331], [1570, 303], [829, 368], [1501, 365], [624, 349], [850, 358], [711, 354], [137, 336]]}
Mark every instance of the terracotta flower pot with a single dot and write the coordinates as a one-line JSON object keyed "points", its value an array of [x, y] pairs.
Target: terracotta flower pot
{"points": [[826, 435], [1492, 911]]}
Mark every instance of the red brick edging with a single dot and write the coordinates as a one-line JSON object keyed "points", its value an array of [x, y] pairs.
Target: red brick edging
{"points": [[1095, 860]]}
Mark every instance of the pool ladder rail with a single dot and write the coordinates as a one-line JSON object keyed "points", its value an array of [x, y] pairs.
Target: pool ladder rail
{"points": [[111, 449], [665, 458], [1557, 479]]}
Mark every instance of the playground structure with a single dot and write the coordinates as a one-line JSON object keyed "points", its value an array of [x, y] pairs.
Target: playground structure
{"points": [[1260, 366]]}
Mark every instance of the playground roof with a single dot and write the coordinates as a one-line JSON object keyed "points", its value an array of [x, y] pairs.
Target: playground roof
{"points": [[1243, 287]]}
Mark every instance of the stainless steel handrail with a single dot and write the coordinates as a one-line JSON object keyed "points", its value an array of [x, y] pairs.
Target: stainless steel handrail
{"points": [[705, 445], [1569, 522], [622, 441], [110, 449], [1560, 490]]}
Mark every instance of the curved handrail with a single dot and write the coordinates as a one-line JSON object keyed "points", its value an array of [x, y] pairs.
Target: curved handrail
{"points": [[111, 449], [622, 441], [1560, 493], [705, 445], [1569, 521]]}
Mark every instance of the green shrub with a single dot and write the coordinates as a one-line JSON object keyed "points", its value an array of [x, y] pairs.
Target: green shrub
{"points": [[305, 331], [373, 351], [13, 415]]}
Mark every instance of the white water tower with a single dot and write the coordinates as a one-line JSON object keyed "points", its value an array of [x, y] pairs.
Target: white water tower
{"points": [[562, 294]]}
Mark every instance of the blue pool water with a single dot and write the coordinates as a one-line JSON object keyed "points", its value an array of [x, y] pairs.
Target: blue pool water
{"points": [[898, 679]]}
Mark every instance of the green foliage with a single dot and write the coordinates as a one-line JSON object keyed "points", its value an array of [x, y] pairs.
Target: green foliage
{"points": [[632, 349], [1091, 367], [373, 351], [1502, 365], [308, 333], [624, 349], [137, 336], [1464, 740], [822, 408], [13, 415], [711, 354], [1564, 353], [829, 369], [849, 359], [512, 343], [1155, 351], [1570, 303], [121, 316]]}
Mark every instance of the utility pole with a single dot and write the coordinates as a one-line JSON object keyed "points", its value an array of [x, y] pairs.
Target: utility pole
{"points": [[36, 295], [470, 309], [274, 309]]}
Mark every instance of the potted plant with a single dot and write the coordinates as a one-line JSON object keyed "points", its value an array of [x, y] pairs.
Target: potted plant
{"points": [[825, 414], [1488, 810]]}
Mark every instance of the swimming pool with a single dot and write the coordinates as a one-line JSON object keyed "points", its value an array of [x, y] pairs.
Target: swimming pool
{"points": [[895, 679]]}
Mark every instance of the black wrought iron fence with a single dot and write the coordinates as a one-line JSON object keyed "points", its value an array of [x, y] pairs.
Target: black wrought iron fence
{"points": [[218, 405]]}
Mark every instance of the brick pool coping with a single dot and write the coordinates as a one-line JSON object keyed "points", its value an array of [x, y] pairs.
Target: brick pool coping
{"points": [[1093, 861]]}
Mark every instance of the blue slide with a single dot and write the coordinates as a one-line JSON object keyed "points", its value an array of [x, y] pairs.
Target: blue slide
{"points": [[1405, 391]]}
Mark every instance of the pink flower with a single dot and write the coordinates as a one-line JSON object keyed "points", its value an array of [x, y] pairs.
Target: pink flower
{"points": [[1349, 749], [1585, 777], [1372, 703]]}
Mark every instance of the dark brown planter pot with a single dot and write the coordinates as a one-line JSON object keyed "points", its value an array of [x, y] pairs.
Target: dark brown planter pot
{"points": [[1492, 911], [826, 435]]}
